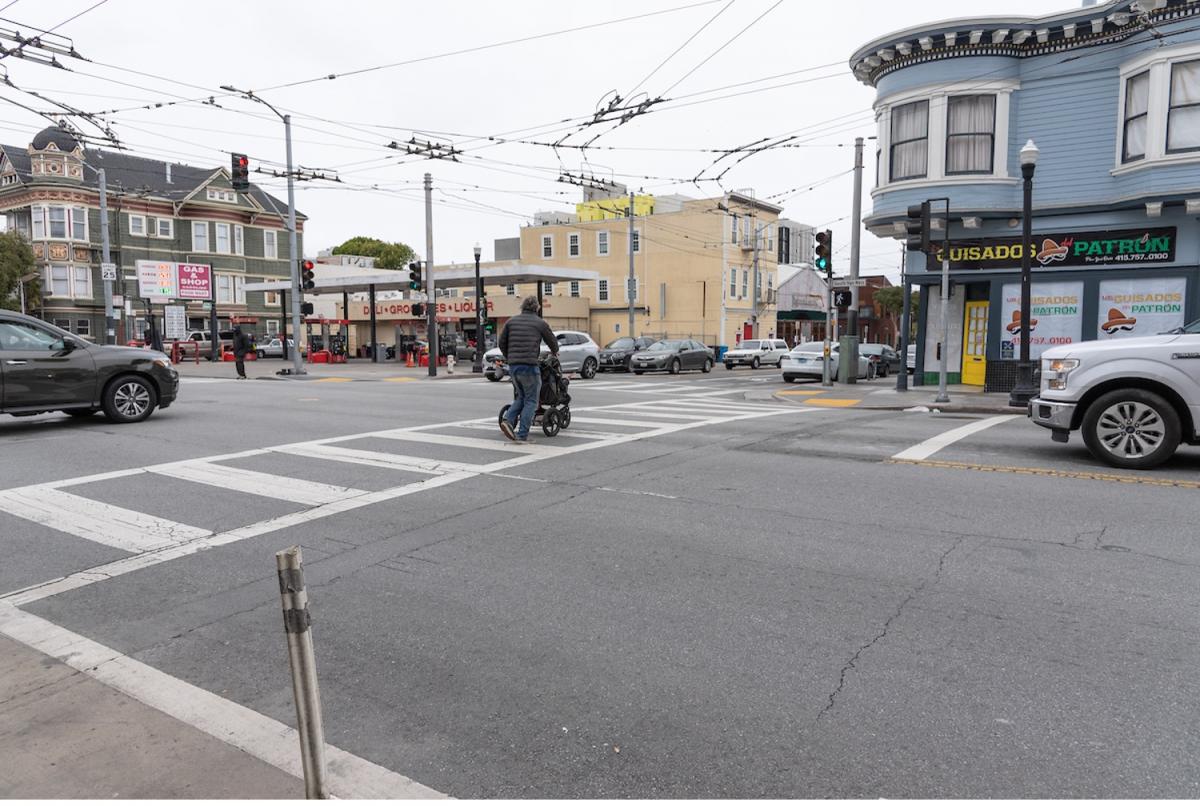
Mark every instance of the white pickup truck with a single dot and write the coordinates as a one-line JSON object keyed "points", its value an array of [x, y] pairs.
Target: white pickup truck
{"points": [[1135, 400]]}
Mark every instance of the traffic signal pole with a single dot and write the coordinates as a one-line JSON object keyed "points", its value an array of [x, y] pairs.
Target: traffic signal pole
{"points": [[431, 311]]}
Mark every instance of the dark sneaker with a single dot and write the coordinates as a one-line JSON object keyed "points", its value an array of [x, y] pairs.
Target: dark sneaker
{"points": [[526, 440], [507, 430]]}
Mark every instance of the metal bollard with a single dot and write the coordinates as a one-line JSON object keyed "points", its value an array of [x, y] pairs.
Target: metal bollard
{"points": [[450, 365], [297, 623]]}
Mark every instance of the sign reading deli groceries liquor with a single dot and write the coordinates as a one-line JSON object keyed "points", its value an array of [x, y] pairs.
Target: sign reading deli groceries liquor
{"points": [[402, 309], [1117, 247]]}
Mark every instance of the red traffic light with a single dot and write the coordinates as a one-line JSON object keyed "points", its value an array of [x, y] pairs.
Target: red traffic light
{"points": [[306, 265]]}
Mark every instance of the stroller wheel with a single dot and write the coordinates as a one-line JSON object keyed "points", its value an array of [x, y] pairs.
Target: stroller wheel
{"points": [[550, 423], [564, 418], [503, 411]]}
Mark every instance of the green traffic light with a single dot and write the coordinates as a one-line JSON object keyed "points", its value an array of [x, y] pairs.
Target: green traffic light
{"points": [[822, 263]]}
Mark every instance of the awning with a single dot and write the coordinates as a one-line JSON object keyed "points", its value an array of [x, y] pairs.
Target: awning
{"points": [[508, 272], [800, 316]]}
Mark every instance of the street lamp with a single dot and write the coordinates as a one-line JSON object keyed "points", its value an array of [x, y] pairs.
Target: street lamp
{"points": [[480, 341], [293, 254], [1025, 390]]}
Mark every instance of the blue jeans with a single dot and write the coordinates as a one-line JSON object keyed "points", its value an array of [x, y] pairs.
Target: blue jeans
{"points": [[527, 383]]}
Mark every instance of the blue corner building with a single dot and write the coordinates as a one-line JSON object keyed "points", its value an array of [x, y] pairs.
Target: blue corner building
{"points": [[1110, 94]]}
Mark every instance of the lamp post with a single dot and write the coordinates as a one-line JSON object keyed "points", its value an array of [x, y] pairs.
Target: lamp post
{"points": [[293, 253], [480, 341], [1025, 390]]}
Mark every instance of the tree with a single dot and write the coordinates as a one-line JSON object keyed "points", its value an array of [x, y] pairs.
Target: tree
{"points": [[387, 255], [17, 261], [891, 302]]}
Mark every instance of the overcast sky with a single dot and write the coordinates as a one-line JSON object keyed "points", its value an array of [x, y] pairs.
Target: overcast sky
{"points": [[147, 52]]}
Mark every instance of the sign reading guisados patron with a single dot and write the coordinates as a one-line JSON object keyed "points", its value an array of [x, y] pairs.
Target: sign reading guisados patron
{"points": [[1114, 247]]}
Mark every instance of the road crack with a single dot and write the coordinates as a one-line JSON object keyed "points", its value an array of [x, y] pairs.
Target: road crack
{"points": [[913, 594]]}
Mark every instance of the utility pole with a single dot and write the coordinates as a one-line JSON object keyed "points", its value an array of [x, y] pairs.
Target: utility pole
{"points": [[944, 326], [106, 267], [849, 344], [754, 284], [629, 284], [293, 250], [431, 307]]}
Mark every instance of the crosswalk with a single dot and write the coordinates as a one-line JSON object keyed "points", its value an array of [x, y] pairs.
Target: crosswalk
{"points": [[406, 453]]}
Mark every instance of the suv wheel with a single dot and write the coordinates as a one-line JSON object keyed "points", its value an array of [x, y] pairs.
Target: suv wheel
{"points": [[129, 399], [754, 362], [1131, 428], [589, 369]]}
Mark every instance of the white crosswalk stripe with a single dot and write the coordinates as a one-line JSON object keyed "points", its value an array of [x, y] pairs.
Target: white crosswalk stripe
{"points": [[391, 461], [252, 482], [96, 521]]}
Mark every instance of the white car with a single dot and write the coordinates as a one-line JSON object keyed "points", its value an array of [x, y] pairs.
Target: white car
{"points": [[1134, 399], [576, 352], [755, 352], [807, 360]]}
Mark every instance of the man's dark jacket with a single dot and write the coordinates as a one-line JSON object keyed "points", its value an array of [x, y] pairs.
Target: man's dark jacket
{"points": [[521, 340], [241, 344]]}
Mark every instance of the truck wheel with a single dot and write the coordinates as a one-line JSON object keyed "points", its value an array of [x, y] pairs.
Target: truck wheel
{"points": [[1131, 428]]}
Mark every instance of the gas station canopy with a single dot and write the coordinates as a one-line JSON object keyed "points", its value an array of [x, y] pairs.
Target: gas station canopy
{"points": [[357, 281]]}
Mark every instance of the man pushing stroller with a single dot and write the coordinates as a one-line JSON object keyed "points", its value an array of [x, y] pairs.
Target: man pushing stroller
{"points": [[521, 342]]}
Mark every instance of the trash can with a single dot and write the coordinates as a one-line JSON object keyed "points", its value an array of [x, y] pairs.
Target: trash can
{"points": [[381, 352], [719, 352]]}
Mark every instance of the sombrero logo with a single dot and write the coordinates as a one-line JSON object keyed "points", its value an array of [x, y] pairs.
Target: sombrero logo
{"points": [[1118, 322], [1052, 251], [1014, 326]]}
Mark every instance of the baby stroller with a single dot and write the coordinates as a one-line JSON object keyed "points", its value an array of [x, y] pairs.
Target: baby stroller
{"points": [[554, 402]]}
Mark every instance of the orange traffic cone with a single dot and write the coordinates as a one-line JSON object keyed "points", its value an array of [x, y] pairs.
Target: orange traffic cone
{"points": [[409, 362]]}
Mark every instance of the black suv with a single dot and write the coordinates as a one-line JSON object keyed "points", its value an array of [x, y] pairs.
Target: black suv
{"points": [[43, 368]]}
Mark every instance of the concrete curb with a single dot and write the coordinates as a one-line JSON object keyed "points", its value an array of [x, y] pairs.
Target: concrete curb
{"points": [[971, 407]]}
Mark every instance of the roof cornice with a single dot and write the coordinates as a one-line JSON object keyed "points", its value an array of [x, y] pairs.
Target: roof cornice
{"points": [[1016, 37]]}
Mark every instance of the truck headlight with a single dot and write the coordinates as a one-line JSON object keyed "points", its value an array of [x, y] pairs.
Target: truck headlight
{"points": [[1056, 370]]}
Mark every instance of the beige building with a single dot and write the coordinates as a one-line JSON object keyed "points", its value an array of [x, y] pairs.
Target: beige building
{"points": [[693, 265]]}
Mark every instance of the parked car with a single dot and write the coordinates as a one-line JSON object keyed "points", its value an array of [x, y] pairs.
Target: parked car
{"points": [[885, 359], [44, 368], [576, 353], [674, 356], [1134, 399], [807, 361], [615, 355], [274, 348], [465, 351], [204, 339], [755, 352]]}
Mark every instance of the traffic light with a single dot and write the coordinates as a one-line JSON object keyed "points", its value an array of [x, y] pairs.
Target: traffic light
{"points": [[306, 309], [823, 250], [414, 276], [418, 309], [307, 277], [917, 227], [240, 172]]}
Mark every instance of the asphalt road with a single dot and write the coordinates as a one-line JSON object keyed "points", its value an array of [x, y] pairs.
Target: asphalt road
{"points": [[702, 596]]}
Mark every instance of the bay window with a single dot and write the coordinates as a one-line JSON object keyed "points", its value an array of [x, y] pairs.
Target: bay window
{"points": [[223, 246], [58, 281], [79, 223], [199, 236], [82, 277], [1183, 112], [239, 240], [910, 141], [1137, 110], [270, 245], [58, 222], [970, 134]]}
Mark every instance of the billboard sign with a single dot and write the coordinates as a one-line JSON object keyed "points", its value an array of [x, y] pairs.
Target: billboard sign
{"points": [[157, 281], [195, 281]]}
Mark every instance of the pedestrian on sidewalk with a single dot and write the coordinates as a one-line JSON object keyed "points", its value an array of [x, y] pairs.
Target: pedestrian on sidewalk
{"points": [[521, 342], [241, 346]]}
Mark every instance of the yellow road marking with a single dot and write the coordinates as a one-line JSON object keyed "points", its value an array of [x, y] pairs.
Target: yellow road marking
{"points": [[832, 403], [333, 380], [801, 392], [400, 380], [1086, 475]]}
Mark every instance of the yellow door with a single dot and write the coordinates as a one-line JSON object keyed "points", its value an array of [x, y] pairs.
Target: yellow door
{"points": [[974, 368]]}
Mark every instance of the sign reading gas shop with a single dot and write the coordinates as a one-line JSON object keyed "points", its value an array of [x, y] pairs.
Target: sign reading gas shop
{"points": [[1143, 246]]}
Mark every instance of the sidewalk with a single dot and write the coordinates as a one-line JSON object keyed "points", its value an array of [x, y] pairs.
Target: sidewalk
{"points": [[354, 370], [64, 735], [881, 395]]}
